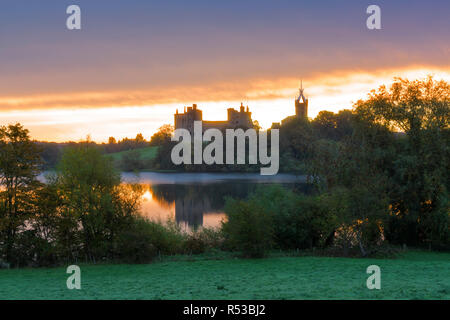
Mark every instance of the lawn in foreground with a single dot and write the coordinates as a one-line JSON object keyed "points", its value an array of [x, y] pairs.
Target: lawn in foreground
{"points": [[416, 275]]}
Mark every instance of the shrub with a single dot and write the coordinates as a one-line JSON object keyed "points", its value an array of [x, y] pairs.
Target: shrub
{"points": [[194, 244], [144, 239], [298, 221], [168, 237], [203, 240], [249, 228], [306, 222], [134, 244], [359, 216], [131, 161]]}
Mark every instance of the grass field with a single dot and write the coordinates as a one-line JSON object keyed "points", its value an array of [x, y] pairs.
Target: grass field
{"points": [[147, 153], [415, 275]]}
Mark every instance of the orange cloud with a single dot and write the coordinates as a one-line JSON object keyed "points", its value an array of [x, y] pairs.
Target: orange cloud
{"points": [[72, 116], [324, 84]]}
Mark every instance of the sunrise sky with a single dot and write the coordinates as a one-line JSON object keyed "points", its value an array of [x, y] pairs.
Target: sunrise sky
{"points": [[135, 62]]}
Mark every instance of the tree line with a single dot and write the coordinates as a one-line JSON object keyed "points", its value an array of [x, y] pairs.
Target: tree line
{"points": [[380, 171], [380, 174], [51, 152]]}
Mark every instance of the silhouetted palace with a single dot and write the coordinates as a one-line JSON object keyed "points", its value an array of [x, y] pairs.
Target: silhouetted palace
{"points": [[236, 119]]}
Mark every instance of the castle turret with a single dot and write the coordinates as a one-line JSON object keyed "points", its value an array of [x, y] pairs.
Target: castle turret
{"points": [[236, 119], [301, 104], [186, 120]]}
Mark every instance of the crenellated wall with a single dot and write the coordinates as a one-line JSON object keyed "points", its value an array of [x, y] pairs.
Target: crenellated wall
{"points": [[236, 119]]}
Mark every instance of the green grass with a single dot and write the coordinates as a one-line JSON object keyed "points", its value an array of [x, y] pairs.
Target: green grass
{"points": [[147, 153], [416, 275]]}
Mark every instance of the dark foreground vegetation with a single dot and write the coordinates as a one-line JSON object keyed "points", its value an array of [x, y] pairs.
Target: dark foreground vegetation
{"points": [[375, 189]]}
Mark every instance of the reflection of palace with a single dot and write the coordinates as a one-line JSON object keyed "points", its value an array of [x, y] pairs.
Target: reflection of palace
{"points": [[195, 203], [192, 202], [191, 211]]}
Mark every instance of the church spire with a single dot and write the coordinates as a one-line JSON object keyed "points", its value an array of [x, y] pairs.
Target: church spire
{"points": [[301, 103], [301, 96]]}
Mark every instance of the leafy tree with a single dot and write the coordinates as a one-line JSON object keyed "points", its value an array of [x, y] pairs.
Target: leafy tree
{"points": [[139, 138], [94, 199], [162, 136], [360, 213], [352, 174], [249, 228], [344, 127], [131, 161], [409, 106], [256, 125], [332, 126], [296, 142], [163, 139], [325, 124], [19, 166], [420, 172]]}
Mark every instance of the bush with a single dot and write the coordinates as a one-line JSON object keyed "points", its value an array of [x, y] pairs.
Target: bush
{"points": [[298, 221], [305, 222], [131, 161], [168, 238], [249, 228], [31, 250], [144, 239], [203, 240], [360, 216], [135, 243]]}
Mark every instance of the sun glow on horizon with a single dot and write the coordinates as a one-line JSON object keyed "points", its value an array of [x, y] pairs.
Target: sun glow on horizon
{"points": [[269, 101]]}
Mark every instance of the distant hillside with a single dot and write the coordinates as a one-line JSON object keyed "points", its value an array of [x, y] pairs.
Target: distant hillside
{"points": [[147, 153], [136, 159]]}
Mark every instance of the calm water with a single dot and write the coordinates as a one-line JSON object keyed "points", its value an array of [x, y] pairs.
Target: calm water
{"points": [[198, 199]]}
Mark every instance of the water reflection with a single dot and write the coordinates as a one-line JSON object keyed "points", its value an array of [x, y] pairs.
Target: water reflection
{"points": [[198, 199], [194, 200]]}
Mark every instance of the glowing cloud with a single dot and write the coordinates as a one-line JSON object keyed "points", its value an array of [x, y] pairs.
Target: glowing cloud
{"points": [[124, 114]]}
